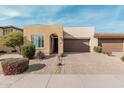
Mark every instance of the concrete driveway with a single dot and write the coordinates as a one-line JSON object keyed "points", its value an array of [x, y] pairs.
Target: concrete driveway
{"points": [[79, 63], [92, 63]]}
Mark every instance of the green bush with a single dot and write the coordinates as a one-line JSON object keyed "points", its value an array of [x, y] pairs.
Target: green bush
{"points": [[98, 49], [28, 51], [40, 55], [108, 53], [14, 66], [122, 58]]}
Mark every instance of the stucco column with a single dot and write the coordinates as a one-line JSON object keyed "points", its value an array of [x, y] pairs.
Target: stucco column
{"points": [[47, 45], [93, 43], [60, 45]]}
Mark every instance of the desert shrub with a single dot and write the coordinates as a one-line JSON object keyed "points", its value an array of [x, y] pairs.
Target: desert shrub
{"points": [[40, 55], [28, 51], [108, 53], [122, 58], [14, 66], [98, 49]]}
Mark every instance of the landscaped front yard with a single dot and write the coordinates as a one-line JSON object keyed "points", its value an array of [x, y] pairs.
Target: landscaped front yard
{"points": [[76, 63], [78, 70]]}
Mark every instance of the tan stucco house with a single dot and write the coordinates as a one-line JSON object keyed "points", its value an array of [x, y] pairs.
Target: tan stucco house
{"points": [[56, 38]]}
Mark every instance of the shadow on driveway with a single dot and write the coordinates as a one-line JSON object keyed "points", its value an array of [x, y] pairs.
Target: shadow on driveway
{"points": [[35, 67]]}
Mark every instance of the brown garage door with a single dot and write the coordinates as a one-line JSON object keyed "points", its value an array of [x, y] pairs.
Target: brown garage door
{"points": [[76, 45], [111, 45]]}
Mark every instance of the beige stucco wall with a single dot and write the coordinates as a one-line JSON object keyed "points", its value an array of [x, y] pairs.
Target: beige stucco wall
{"points": [[82, 32], [46, 31], [93, 43], [78, 32]]}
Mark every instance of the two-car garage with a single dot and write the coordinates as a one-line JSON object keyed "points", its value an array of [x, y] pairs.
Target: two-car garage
{"points": [[78, 39], [76, 45], [82, 45]]}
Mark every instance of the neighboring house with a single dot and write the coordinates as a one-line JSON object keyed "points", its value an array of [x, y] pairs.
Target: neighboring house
{"points": [[4, 30], [111, 42], [56, 38]]}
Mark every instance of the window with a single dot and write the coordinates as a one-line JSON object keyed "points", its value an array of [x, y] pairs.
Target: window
{"points": [[38, 40]]}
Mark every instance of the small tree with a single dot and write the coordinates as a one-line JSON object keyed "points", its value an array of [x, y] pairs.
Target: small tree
{"points": [[14, 40]]}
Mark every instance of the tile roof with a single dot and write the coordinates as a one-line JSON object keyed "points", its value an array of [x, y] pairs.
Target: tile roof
{"points": [[5, 27], [109, 35]]}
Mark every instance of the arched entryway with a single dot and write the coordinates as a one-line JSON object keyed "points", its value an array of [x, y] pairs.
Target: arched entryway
{"points": [[54, 43]]}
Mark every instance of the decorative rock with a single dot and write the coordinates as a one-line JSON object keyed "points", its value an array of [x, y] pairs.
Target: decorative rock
{"points": [[14, 66]]}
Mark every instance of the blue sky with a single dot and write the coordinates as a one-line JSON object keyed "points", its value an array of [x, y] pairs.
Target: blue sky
{"points": [[103, 18]]}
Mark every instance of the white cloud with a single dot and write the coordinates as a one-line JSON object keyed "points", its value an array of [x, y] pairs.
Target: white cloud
{"points": [[12, 13], [4, 18], [80, 19], [8, 13]]}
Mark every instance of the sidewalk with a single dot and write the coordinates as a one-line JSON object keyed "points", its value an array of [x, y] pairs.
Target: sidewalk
{"points": [[62, 81]]}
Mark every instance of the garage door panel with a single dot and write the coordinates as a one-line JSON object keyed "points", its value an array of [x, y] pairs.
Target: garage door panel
{"points": [[110, 40], [112, 45], [76, 45]]}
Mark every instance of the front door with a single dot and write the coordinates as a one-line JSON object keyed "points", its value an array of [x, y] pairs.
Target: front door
{"points": [[55, 45]]}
